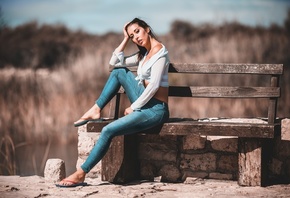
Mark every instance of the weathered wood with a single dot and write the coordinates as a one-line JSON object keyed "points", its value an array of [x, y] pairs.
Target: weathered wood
{"points": [[226, 68], [222, 68], [273, 102], [188, 127], [120, 164], [250, 162], [224, 92], [218, 129]]}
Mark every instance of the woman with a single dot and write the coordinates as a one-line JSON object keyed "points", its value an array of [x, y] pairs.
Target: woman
{"points": [[147, 92]]}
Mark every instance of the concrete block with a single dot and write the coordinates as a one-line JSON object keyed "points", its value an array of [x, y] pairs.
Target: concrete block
{"points": [[54, 170]]}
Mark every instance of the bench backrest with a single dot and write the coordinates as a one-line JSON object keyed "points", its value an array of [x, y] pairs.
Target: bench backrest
{"points": [[270, 91]]}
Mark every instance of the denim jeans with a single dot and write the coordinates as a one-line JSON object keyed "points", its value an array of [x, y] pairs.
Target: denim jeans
{"points": [[155, 112]]}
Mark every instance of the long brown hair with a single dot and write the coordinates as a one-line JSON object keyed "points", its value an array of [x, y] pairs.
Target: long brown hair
{"points": [[143, 24]]}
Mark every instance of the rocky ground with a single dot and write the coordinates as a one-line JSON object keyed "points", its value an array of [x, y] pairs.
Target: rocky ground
{"points": [[35, 186]]}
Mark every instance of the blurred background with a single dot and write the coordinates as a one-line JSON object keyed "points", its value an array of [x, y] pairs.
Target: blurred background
{"points": [[54, 58]]}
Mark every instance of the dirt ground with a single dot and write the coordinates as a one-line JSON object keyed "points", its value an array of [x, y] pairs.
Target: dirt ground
{"points": [[35, 186]]}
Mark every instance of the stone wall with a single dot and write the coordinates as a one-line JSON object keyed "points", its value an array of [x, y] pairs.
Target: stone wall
{"points": [[86, 142], [175, 158]]}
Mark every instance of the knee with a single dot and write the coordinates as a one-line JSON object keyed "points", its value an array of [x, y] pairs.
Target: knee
{"points": [[120, 70], [106, 134]]}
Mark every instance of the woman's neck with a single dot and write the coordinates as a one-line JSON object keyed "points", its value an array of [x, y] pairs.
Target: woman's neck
{"points": [[151, 44]]}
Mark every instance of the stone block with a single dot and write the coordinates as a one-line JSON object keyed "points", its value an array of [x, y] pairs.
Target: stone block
{"points": [[157, 151], [82, 129], [287, 168], [170, 173], [168, 139], [147, 170], [228, 163], [194, 174], [225, 144], [281, 148], [285, 129], [86, 142], [193, 142], [54, 170], [199, 162], [275, 166], [221, 176]]}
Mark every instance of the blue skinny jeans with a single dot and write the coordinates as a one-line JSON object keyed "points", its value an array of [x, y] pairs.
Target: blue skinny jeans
{"points": [[155, 112]]}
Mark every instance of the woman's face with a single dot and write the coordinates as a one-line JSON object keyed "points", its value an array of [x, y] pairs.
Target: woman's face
{"points": [[138, 34]]}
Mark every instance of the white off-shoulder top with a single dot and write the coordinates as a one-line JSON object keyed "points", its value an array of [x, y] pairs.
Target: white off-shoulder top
{"points": [[154, 70]]}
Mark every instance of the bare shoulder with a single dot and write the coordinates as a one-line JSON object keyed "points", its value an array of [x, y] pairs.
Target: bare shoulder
{"points": [[156, 48]]}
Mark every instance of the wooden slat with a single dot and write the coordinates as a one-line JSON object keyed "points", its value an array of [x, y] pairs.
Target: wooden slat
{"points": [[226, 68], [222, 68], [272, 109], [187, 127], [218, 129], [225, 92]]}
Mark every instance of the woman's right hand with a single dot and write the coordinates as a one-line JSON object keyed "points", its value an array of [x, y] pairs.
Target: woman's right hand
{"points": [[123, 44], [125, 31]]}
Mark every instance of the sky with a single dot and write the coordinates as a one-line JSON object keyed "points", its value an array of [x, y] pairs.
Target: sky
{"points": [[102, 16]]}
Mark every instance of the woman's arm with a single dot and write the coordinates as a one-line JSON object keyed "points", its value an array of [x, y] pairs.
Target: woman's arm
{"points": [[157, 70], [118, 58]]}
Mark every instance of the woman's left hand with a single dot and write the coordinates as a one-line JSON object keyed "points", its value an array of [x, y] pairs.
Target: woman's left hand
{"points": [[128, 111]]}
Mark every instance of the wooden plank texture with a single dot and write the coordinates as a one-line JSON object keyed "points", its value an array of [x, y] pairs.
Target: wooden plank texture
{"points": [[272, 108], [225, 92], [226, 68], [203, 128], [222, 68]]}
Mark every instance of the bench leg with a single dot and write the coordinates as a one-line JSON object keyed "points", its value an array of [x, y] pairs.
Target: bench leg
{"points": [[121, 164], [253, 161]]}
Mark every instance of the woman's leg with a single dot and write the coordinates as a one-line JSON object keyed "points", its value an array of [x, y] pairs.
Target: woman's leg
{"points": [[118, 77], [153, 114]]}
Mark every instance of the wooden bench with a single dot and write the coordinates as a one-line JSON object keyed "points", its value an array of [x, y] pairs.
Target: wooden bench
{"points": [[121, 162]]}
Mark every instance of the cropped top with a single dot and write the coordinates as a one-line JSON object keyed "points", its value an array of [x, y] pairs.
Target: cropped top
{"points": [[154, 70]]}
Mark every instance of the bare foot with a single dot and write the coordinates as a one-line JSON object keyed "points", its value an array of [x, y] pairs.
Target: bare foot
{"points": [[92, 113], [77, 177]]}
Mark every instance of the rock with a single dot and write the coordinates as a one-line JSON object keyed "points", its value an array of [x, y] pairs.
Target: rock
{"points": [[170, 173], [54, 170], [285, 129]]}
